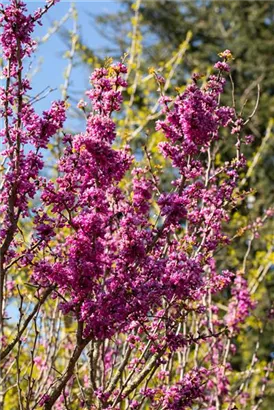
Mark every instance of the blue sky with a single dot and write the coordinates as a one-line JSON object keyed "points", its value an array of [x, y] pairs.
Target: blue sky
{"points": [[48, 62]]}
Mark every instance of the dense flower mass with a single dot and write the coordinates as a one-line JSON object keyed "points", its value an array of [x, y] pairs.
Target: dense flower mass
{"points": [[132, 266], [241, 304], [112, 236], [115, 269]]}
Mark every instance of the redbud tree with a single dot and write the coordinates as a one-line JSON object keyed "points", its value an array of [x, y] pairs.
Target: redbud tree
{"points": [[120, 299]]}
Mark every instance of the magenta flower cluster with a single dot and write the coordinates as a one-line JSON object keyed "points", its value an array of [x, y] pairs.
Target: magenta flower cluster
{"points": [[116, 268]]}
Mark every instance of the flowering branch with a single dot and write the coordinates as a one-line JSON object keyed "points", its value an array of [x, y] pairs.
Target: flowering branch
{"points": [[133, 271]]}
